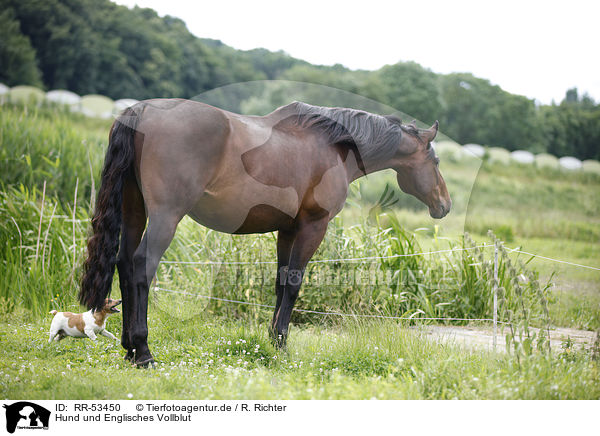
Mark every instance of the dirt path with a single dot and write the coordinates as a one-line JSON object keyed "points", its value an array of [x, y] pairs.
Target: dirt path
{"points": [[482, 337]]}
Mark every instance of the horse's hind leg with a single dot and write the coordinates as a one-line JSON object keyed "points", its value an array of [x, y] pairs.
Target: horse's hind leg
{"points": [[132, 228], [158, 236]]}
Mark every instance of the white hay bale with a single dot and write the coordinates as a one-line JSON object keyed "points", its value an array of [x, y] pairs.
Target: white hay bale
{"points": [[97, 106], [3, 92], [570, 163], [498, 154], [545, 160], [122, 104], [26, 94], [591, 166], [522, 156], [447, 149], [62, 96], [474, 150]]}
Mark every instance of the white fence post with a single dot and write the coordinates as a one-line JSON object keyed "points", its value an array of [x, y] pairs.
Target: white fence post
{"points": [[495, 295]]}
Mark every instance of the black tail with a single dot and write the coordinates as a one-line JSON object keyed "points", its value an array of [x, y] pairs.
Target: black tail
{"points": [[103, 244]]}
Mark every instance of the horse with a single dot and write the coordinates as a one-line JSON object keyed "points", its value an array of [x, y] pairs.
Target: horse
{"points": [[288, 171]]}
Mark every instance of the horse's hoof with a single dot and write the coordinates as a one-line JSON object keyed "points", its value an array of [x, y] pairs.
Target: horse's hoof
{"points": [[279, 342], [145, 363], [129, 356]]}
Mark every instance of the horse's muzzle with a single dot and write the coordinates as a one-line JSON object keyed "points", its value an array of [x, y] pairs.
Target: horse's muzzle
{"points": [[441, 210]]}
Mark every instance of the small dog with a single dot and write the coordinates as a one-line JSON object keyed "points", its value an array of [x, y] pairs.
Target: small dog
{"points": [[81, 325]]}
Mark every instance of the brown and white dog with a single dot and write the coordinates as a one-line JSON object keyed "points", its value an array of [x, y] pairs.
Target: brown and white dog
{"points": [[81, 325]]}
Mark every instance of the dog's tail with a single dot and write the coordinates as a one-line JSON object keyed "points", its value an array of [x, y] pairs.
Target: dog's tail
{"points": [[53, 312], [103, 244]]}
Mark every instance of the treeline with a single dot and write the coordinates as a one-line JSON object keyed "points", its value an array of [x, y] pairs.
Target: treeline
{"points": [[95, 46]]}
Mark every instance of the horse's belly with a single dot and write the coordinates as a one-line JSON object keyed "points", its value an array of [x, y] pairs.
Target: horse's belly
{"points": [[243, 210]]}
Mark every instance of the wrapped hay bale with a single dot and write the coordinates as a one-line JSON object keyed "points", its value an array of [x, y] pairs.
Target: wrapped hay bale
{"points": [[97, 106], [498, 154], [62, 96], [122, 104], [545, 160], [591, 166], [474, 150], [570, 163], [522, 156], [26, 94], [448, 149], [3, 92]]}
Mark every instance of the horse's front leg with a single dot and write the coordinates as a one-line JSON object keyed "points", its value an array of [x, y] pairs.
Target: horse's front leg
{"points": [[285, 241], [309, 235]]}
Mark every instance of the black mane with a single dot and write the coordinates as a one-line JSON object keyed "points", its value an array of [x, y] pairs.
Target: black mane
{"points": [[375, 137]]}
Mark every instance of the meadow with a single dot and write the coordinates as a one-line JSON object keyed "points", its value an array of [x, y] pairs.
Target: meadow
{"points": [[217, 358], [210, 348]]}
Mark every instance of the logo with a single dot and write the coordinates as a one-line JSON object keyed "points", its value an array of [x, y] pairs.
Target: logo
{"points": [[26, 415], [294, 277]]}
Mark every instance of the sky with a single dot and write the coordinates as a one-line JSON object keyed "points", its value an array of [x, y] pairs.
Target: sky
{"points": [[534, 48]]}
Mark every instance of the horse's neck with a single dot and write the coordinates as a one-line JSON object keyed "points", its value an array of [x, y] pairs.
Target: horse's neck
{"points": [[355, 171]]}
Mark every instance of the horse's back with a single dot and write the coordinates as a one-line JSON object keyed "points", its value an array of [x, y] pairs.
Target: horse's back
{"points": [[179, 146], [181, 116], [230, 172]]}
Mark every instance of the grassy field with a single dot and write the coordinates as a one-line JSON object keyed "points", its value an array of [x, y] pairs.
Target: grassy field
{"points": [[50, 161], [217, 358]]}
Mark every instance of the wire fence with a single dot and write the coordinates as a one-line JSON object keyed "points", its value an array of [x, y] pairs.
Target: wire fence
{"points": [[375, 258], [495, 321], [351, 315], [342, 259]]}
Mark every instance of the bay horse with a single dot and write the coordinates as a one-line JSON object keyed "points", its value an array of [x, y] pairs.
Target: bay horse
{"points": [[288, 171]]}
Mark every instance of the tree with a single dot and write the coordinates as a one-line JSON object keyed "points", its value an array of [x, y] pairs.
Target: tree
{"points": [[479, 112], [18, 64], [572, 128], [407, 87], [96, 46]]}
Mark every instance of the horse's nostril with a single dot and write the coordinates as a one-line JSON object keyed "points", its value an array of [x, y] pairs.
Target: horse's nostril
{"points": [[445, 208]]}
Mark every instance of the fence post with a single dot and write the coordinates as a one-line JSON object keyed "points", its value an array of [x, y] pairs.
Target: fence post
{"points": [[495, 295]]}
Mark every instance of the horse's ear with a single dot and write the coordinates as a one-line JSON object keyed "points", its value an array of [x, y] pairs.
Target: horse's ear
{"points": [[430, 133], [394, 119]]}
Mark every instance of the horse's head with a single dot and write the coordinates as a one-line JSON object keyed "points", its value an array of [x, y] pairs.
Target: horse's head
{"points": [[417, 166]]}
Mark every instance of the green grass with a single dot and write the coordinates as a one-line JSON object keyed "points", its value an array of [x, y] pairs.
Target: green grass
{"points": [[580, 311], [41, 248], [216, 358], [537, 203], [49, 144]]}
